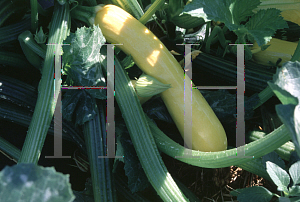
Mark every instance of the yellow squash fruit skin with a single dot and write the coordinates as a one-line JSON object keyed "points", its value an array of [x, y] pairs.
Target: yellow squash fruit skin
{"points": [[153, 58], [278, 49]]}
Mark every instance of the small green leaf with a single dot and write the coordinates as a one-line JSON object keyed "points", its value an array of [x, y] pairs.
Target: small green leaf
{"points": [[295, 172], [40, 37], [279, 176], [29, 182], [254, 194]]}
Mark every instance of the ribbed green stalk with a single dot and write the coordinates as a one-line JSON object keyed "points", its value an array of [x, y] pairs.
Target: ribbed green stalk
{"points": [[94, 143], [142, 139], [284, 151], [9, 149], [220, 159], [131, 6], [153, 8], [13, 59], [264, 96], [34, 15], [11, 12], [45, 105], [27, 39], [14, 30], [110, 186]]}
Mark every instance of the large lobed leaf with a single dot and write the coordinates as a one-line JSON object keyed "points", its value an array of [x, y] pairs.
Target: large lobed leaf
{"points": [[286, 86], [29, 182], [82, 61]]}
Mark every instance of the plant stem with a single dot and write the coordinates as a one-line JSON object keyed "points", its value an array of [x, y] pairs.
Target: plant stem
{"points": [[217, 31], [220, 159], [12, 11], [14, 30], [7, 148], [264, 96], [142, 139], [13, 59], [131, 6], [45, 105], [153, 8], [94, 143], [27, 38], [34, 15]]}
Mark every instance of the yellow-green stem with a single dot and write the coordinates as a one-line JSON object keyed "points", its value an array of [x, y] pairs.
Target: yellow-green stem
{"points": [[153, 8]]}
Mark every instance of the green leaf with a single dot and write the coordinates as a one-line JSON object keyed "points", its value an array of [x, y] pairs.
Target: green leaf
{"points": [[193, 12], [80, 102], [82, 61], [295, 172], [286, 86], [294, 191], [254, 194], [137, 179], [290, 116], [224, 104], [29, 182], [217, 10], [279, 176], [242, 9], [263, 25], [87, 194], [274, 158], [284, 96], [288, 79], [236, 192]]}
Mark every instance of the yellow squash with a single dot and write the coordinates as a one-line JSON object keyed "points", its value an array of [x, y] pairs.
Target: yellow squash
{"points": [[153, 58], [278, 49]]}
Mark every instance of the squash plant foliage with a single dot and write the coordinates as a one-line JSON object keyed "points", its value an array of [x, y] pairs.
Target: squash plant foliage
{"points": [[141, 142]]}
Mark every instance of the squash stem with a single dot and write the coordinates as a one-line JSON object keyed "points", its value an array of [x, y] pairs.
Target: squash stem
{"points": [[217, 31], [264, 96], [34, 15], [164, 31], [153, 8], [27, 39], [11, 12], [45, 105], [85, 14], [28, 48]]}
